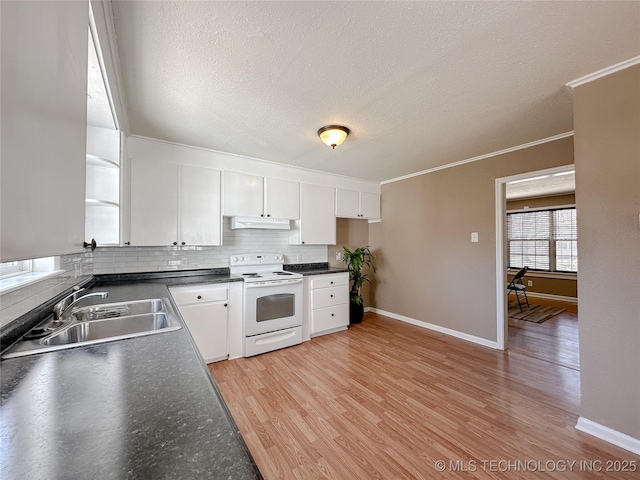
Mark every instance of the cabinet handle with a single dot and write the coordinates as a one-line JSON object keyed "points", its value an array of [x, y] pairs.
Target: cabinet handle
{"points": [[262, 214], [175, 243], [127, 243], [332, 314], [225, 304], [184, 243], [331, 283], [331, 296], [199, 297], [303, 243], [268, 214]]}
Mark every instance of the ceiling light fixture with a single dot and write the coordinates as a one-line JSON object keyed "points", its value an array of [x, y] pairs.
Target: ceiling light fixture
{"points": [[333, 135]]}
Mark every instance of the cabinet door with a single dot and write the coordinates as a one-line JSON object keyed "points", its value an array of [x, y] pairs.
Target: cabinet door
{"points": [[347, 203], [154, 202], [243, 194], [369, 205], [43, 128], [207, 324], [199, 206], [282, 199], [317, 215]]}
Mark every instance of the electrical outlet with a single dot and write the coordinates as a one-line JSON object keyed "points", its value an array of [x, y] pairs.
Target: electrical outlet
{"points": [[338, 256], [474, 237], [529, 283], [184, 261]]}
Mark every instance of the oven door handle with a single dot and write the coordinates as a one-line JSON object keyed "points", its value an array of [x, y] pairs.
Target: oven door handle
{"points": [[273, 283]]}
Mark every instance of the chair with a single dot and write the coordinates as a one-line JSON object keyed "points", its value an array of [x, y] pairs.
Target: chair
{"points": [[516, 285]]}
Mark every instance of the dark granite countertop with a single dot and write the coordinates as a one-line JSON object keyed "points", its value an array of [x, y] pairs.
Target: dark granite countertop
{"points": [[143, 407], [314, 268]]}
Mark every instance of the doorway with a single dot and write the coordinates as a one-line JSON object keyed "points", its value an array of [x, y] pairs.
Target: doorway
{"points": [[531, 183]]}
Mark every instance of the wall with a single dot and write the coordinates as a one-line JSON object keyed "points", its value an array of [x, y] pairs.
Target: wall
{"points": [[428, 269], [607, 151], [542, 282], [351, 233], [44, 116], [150, 259]]}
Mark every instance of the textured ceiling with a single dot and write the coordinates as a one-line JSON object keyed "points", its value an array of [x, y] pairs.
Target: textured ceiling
{"points": [[420, 84]]}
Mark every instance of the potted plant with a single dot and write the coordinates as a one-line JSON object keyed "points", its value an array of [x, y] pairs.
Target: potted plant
{"points": [[355, 261]]}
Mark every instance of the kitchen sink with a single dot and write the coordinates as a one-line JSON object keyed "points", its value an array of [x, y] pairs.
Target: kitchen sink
{"points": [[114, 310], [102, 323], [120, 327]]}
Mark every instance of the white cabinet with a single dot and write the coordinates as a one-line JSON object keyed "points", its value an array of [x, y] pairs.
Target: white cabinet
{"points": [[317, 224], [174, 204], [253, 196], [282, 199], [43, 128], [353, 204], [204, 310], [327, 306]]}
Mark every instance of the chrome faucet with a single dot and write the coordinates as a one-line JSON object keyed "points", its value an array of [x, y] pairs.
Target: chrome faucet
{"points": [[70, 300]]}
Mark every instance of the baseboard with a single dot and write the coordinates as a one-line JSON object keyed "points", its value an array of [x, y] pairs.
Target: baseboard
{"points": [[609, 435], [368, 309], [437, 328], [552, 297]]}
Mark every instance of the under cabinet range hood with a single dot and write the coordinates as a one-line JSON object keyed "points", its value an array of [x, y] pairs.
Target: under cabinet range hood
{"points": [[263, 223]]}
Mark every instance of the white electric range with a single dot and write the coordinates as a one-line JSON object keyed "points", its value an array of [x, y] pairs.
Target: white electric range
{"points": [[272, 314]]}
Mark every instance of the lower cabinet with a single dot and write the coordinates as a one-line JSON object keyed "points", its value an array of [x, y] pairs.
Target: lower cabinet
{"points": [[204, 309], [327, 303]]}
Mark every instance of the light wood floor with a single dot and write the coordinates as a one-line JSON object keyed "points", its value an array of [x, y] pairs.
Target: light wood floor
{"points": [[555, 340], [386, 400]]}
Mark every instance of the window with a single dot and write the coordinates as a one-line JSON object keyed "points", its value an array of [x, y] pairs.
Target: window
{"points": [[10, 269], [15, 275], [543, 240]]}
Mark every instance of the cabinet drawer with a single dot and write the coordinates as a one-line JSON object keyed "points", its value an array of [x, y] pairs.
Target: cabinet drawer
{"points": [[329, 318], [322, 281], [199, 294], [325, 297]]}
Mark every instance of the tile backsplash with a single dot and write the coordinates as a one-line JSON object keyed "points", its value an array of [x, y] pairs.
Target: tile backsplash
{"points": [[75, 268], [150, 259]]}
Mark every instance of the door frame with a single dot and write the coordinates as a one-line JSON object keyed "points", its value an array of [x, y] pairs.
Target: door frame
{"points": [[501, 247]]}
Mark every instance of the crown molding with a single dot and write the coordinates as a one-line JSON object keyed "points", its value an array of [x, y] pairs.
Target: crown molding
{"points": [[604, 72], [481, 157]]}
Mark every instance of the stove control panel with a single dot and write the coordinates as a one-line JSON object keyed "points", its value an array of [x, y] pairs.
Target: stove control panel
{"points": [[257, 259]]}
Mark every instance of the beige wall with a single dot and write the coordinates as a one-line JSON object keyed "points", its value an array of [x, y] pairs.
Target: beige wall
{"points": [[607, 151], [551, 286], [428, 269], [353, 233]]}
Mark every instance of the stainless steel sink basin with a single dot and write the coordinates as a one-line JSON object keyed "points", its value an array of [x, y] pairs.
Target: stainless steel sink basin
{"points": [[122, 327], [114, 310], [103, 323]]}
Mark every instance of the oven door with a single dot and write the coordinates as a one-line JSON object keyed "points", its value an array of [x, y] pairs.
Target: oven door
{"points": [[272, 306]]}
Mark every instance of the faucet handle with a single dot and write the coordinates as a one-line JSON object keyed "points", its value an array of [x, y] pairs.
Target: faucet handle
{"points": [[62, 304]]}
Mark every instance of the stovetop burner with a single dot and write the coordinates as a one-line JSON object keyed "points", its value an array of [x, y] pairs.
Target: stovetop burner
{"points": [[251, 275], [282, 273]]}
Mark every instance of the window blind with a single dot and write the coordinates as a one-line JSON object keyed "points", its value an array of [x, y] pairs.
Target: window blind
{"points": [[543, 240]]}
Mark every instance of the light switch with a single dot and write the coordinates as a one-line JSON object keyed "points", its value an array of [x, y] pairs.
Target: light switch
{"points": [[474, 237]]}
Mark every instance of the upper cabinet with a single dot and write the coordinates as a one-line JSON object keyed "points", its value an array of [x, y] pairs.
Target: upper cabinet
{"points": [[254, 196], [317, 224], [43, 128], [353, 204], [174, 204]]}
